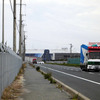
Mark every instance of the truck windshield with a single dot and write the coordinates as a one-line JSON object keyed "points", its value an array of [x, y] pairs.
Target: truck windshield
{"points": [[94, 55], [93, 63]]}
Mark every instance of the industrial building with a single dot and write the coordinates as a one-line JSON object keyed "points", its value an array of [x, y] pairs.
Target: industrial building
{"points": [[64, 56]]}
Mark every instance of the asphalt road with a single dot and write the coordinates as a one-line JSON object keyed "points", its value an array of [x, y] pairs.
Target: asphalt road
{"points": [[87, 83]]}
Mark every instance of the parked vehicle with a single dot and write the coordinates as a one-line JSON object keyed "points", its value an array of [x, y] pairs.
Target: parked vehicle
{"points": [[90, 57]]}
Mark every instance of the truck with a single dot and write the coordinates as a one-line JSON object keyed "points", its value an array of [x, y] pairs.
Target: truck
{"points": [[90, 57], [34, 61]]}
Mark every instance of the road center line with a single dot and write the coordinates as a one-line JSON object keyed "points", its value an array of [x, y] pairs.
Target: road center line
{"points": [[73, 75]]}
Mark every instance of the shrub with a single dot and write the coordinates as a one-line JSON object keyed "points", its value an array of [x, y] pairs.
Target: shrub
{"points": [[75, 97], [52, 80], [38, 68], [47, 76]]}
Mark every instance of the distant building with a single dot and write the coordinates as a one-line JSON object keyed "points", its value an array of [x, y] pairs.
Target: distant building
{"points": [[52, 54], [46, 56], [64, 56]]}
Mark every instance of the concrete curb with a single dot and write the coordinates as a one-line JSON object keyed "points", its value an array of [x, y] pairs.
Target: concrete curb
{"points": [[70, 90]]}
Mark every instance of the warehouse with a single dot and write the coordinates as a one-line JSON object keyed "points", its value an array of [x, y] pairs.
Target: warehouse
{"points": [[64, 56]]}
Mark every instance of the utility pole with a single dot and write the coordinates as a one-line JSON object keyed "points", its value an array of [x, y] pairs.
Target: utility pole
{"points": [[22, 41], [14, 26], [24, 49], [2, 21], [20, 28]]}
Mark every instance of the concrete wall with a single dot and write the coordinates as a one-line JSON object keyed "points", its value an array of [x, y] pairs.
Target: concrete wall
{"points": [[10, 64]]}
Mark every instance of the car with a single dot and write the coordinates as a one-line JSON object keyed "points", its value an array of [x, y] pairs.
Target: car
{"points": [[40, 62]]}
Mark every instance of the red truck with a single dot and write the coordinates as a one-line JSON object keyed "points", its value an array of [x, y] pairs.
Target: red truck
{"points": [[34, 61]]}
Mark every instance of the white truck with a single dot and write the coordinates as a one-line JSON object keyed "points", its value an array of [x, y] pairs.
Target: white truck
{"points": [[90, 58]]}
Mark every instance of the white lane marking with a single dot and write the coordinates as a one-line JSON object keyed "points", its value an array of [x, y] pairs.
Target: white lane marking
{"points": [[73, 75], [77, 70], [91, 73]]}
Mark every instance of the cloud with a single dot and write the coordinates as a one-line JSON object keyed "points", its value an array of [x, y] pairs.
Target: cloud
{"points": [[66, 2], [53, 23]]}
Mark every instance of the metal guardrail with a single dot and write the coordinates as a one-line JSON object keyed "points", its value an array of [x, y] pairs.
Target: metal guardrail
{"points": [[10, 63]]}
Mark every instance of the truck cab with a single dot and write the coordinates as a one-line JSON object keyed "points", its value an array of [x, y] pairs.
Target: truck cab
{"points": [[34, 61], [90, 58]]}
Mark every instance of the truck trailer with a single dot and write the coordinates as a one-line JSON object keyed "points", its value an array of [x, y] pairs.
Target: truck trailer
{"points": [[90, 57]]}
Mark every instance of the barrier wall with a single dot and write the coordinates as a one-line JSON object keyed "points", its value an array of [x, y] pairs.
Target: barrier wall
{"points": [[10, 63], [73, 60]]}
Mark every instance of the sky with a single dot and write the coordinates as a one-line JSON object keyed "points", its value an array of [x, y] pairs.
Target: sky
{"points": [[55, 24]]}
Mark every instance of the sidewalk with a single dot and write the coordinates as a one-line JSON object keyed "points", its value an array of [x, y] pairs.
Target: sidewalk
{"points": [[38, 88]]}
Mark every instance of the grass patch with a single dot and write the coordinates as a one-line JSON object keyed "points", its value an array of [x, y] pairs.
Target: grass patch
{"points": [[46, 75], [49, 77], [21, 71], [75, 97], [52, 81], [59, 86]]}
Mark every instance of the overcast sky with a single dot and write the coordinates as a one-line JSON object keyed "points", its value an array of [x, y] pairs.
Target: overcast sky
{"points": [[55, 24]]}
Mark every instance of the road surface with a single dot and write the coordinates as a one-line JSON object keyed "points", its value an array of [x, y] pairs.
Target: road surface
{"points": [[87, 83]]}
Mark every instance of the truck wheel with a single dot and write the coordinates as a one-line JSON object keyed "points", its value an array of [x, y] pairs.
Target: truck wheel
{"points": [[82, 69], [87, 70]]}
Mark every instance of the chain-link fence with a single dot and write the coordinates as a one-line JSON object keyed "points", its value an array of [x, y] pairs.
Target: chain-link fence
{"points": [[10, 63]]}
